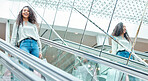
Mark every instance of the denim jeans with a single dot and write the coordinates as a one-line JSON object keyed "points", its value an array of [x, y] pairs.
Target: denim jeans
{"points": [[126, 55], [30, 46]]}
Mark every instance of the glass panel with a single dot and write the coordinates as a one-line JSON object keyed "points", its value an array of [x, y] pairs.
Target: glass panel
{"points": [[6, 75], [115, 58], [83, 68]]}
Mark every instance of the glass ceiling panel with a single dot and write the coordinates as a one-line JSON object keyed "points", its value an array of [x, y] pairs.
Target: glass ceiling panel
{"points": [[127, 10]]}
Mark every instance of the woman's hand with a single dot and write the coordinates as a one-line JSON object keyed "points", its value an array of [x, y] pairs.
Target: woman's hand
{"points": [[40, 55], [9, 55]]}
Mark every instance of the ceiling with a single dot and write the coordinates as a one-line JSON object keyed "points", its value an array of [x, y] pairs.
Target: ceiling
{"points": [[127, 10]]}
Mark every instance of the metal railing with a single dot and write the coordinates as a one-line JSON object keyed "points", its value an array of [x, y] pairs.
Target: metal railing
{"points": [[21, 73], [47, 70], [92, 57]]}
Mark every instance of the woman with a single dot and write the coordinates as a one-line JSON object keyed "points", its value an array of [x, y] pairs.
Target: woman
{"points": [[25, 32], [122, 37]]}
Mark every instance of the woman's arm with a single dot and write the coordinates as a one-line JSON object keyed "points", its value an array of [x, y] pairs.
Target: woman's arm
{"points": [[39, 42], [114, 47]]}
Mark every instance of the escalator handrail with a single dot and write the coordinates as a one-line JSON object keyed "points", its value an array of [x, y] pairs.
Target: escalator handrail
{"points": [[136, 52], [21, 73], [39, 65], [93, 49]]}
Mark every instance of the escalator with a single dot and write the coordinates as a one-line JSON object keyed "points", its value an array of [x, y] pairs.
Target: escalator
{"points": [[80, 60], [105, 66], [49, 71], [45, 68]]}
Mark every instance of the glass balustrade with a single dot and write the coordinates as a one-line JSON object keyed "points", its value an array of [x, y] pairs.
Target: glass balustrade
{"points": [[87, 70]]}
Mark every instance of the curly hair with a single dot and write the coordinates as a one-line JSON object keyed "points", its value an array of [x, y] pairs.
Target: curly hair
{"points": [[32, 17], [118, 30]]}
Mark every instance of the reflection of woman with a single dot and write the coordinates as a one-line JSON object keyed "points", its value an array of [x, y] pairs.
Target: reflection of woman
{"points": [[26, 31], [122, 36]]}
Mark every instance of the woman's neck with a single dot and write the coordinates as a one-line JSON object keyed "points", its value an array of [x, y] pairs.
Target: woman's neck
{"points": [[25, 20], [122, 35]]}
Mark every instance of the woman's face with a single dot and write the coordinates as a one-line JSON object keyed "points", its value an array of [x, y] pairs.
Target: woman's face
{"points": [[124, 29], [25, 12]]}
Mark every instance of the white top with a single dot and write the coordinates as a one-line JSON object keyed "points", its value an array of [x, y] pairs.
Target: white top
{"points": [[30, 30], [116, 47]]}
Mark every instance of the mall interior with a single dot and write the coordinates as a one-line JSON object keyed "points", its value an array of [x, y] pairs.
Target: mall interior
{"points": [[76, 38]]}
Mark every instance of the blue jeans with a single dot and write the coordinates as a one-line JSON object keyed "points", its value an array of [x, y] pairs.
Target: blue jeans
{"points": [[124, 54], [30, 46]]}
